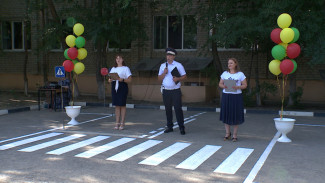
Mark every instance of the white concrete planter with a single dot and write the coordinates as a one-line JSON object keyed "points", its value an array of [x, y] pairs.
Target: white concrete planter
{"points": [[73, 112], [284, 126]]}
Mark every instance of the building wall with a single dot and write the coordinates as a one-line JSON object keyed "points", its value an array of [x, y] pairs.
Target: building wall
{"points": [[11, 62]]}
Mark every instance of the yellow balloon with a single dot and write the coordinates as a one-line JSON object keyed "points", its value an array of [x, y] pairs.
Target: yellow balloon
{"points": [[274, 67], [79, 68], [82, 53], [285, 45], [70, 40], [287, 35], [284, 20], [78, 29]]}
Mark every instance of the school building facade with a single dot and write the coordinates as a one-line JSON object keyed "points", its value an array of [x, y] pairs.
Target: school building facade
{"points": [[143, 61]]}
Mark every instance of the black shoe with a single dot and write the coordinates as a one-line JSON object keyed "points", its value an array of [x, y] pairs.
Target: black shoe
{"points": [[182, 132], [168, 130]]}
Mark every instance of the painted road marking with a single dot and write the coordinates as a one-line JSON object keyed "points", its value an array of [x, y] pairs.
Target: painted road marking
{"points": [[234, 161], [92, 152], [194, 161], [29, 140], [186, 120], [134, 150], [77, 145], [309, 125], [161, 132], [257, 167], [164, 154], [51, 143], [53, 129]]}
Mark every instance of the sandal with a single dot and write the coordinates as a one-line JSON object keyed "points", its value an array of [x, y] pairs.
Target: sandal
{"points": [[234, 139], [227, 137], [117, 125], [122, 126]]}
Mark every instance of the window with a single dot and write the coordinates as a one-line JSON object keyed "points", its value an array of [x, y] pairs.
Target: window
{"points": [[176, 32], [13, 37]]}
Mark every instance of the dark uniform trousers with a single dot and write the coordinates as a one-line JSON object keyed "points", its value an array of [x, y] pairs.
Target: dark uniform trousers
{"points": [[173, 98]]}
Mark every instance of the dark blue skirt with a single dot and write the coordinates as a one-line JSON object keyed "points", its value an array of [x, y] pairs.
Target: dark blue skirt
{"points": [[232, 109], [119, 97]]}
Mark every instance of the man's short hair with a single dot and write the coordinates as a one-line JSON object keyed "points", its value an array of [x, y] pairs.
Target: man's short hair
{"points": [[171, 51]]}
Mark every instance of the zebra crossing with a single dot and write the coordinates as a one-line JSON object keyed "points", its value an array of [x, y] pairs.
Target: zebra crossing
{"points": [[229, 166]]}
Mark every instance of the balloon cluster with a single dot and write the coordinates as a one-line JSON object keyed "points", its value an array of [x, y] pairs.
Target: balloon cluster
{"points": [[76, 51], [286, 49]]}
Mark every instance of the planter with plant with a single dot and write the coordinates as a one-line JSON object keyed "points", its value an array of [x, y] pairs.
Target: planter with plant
{"points": [[283, 53], [74, 54]]}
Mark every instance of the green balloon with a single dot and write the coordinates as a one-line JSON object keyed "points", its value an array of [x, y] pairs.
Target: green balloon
{"points": [[295, 66], [75, 61], [278, 52], [66, 54], [296, 35], [71, 21], [80, 42]]}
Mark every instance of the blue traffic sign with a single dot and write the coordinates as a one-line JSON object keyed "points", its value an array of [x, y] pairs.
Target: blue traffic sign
{"points": [[59, 72]]}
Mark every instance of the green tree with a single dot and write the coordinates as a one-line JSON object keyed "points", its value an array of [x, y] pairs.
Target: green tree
{"points": [[249, 24], [110, 22]]}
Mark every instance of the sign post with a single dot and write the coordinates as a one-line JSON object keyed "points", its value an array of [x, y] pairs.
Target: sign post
{"points": [[60, 73]]}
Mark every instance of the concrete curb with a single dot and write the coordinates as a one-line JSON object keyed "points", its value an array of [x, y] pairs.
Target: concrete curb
{"points": [[160, 107], [19, 109]]}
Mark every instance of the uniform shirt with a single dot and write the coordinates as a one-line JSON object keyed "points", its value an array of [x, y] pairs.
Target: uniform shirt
{"points": [[124, 71], [168, 82], [238, 77]]}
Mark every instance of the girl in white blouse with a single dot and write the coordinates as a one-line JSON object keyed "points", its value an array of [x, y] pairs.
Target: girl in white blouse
{"points": [[120, 90]]}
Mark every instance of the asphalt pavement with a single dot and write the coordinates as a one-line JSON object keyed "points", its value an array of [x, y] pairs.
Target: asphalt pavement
{"points": [[39, 146]]}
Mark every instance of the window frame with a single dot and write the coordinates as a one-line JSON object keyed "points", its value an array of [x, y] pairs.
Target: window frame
{"points": [[167, 33], [12, 26]]}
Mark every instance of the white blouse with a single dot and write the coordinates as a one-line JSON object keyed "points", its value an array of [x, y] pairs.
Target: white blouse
{"points": [[124, 71], [238, 77]]}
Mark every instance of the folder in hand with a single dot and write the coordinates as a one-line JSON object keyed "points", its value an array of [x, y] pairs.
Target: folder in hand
{"points": [[175, 73], [230, 84], [114, 76]]}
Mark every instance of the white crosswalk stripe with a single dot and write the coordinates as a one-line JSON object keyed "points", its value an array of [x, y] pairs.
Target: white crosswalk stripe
{"points": [[234, 161], [51, 143], [134, 150], [198, 158], [161, 156], [92, 152], [77, 145], [29, 140]]}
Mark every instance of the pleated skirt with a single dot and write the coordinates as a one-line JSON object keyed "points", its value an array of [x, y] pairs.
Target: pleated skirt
{"points": [[232, 109], [119, 97]]}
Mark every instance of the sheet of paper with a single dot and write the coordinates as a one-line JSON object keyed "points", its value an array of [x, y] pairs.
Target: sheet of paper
{"points": [[229, 84]]}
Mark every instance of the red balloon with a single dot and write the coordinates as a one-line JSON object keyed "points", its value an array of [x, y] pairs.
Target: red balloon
{"points": [[275, 35], [72, 53], [103, 71], [68, 65], [286, 66], [293, 50]]}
